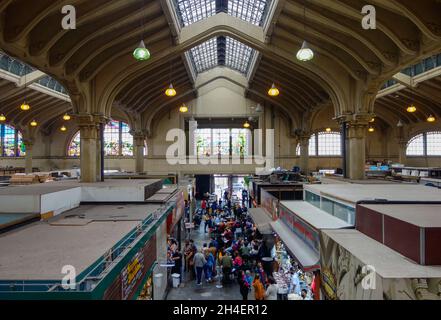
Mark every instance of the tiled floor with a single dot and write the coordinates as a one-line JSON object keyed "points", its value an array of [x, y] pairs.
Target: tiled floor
{"points": [[207, 291]]}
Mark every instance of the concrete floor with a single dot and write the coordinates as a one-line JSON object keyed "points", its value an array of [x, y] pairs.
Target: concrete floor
{"points": [[207, 291]]}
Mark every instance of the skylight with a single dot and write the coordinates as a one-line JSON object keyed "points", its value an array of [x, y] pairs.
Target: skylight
{"points": [[205, 55], [191, 11], [252, 11], [20, 69], [223, 51], [238, 56]]}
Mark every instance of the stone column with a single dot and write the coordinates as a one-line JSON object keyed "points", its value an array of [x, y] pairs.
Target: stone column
{"points": [[402, 146], [28, 157], [304, 153], [89, 157], [357, 132], [139, 145]]}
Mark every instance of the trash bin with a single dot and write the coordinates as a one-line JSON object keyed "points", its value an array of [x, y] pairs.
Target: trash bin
{"points": [[176, 280]]}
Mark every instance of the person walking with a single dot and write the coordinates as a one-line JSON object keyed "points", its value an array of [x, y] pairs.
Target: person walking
{"points": [[271, 291], [207, 221], [244, 287], [199, 262], [259, 290], [209, 265]]}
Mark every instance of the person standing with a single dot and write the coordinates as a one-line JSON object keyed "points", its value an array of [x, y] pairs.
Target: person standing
{"points": [[199, 262], [259, 290], [190, 258], [295, 283], [315, 287], [272, 290], [177, 259], [204, 206], [227, 265]]}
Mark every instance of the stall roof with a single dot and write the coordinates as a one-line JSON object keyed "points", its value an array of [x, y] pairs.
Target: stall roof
{"points": [[422, 215], [353, 193], [261, 219], [387, 262], [78, 237], [313, 216], [306, 256], [10, 219]]}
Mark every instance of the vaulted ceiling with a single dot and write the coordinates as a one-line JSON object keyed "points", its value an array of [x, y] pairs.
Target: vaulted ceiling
{"points": [[95, 63]]}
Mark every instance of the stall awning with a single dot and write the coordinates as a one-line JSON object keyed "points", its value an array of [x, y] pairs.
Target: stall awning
{"points": [[261, 219], [305, 256]]}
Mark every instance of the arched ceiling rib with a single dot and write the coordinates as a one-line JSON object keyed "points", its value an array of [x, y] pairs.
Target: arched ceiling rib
{"points": [[99, 50]]}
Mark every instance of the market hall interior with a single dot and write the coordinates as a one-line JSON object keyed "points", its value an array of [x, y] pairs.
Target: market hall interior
{"points": [[313, 125]]}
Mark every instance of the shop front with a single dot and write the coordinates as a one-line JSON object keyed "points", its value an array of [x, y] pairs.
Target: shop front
{"points": [[298, 242], [175, 226], [133, 276]]}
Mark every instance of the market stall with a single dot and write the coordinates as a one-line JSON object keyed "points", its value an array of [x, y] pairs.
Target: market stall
{"points": [[298, 243]]}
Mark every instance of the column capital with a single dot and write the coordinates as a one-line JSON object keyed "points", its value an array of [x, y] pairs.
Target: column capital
{"points": [[302, 135], [28, 142], [90, 120], [355, 119]]}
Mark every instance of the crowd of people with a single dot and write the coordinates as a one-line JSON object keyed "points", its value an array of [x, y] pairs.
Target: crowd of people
{"points": [[234, 248]]}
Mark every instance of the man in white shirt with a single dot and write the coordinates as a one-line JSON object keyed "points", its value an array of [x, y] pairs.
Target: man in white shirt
{"points": [[295, 283]]}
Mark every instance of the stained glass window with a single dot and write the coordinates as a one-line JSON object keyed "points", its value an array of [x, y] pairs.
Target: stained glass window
{"points": [[240, 142], [117, 141], [11, 142], [222, 142], [21, 149], [126, 140], [111, 139], [203, 142], [74, 146]]}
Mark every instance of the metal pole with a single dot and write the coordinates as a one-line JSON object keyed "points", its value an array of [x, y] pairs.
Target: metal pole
{"points": [[102, 150], [344, 149]]}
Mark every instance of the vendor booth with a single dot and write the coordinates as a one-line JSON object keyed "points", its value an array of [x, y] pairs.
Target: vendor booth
{"points": [[298, 241]]}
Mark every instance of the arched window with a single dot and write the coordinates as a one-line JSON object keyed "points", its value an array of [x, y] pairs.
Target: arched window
{"points": [[425, 144], [117, 141], [11, 142], [324, 144], [74, 146]]}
